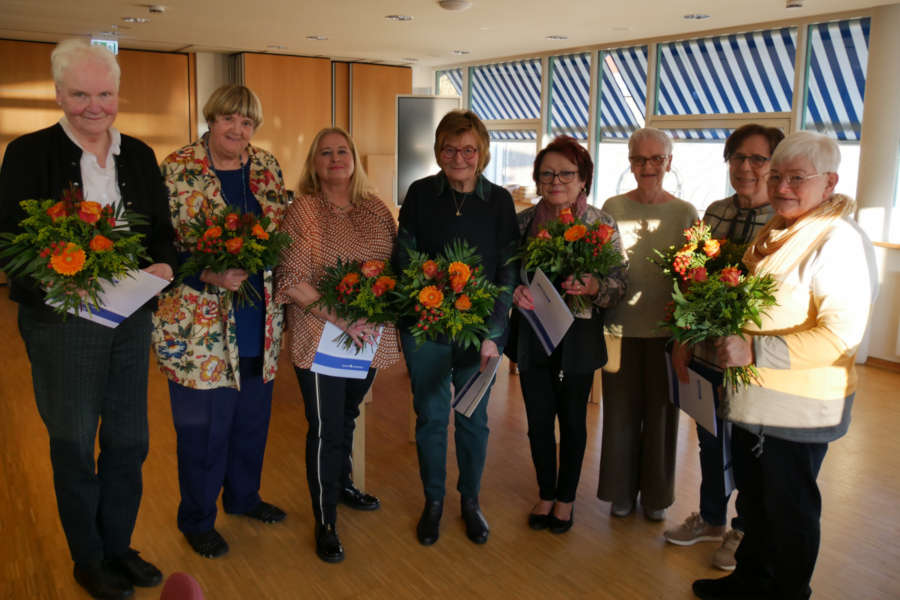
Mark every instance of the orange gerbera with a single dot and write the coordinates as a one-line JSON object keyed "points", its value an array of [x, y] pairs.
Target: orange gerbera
{"points": [[259, 233], [431, 297], [575, 233], [69, 261], [459, 272], [463, 303], [430, 268], [372, 268], [89, 212], [213, 233], [101, 243], [711, 248], [234, 245], [57, 211]]}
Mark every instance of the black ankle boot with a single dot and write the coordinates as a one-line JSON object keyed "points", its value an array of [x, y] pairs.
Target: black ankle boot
{"points": [[476, 525], [328, 544], [429, 528]]}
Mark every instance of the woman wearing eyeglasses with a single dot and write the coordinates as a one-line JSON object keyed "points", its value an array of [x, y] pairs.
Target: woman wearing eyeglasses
{"points": [[640, 425], [457, 203], [557, 386], [805, 350], [737, 219]]}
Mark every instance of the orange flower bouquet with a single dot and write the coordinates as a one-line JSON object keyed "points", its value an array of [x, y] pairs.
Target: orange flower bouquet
{"points": [[69, 245], [448, 296], [229, 239], [569, 246], [358, 290]]}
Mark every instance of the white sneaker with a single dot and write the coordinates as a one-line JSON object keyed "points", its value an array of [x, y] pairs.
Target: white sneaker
{"points": [[693, 530], [724, 556]]}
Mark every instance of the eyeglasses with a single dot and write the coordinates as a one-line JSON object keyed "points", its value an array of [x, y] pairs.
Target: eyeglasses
{"points": [[449, 152], [756, 160], [640, 161], [564, 176], [793, 181]]}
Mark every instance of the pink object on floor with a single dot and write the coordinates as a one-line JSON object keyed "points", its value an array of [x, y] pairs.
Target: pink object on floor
{"points": [[181, 586]]}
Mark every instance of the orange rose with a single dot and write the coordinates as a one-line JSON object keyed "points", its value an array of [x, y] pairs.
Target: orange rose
{"points": [[382, 285], [372, 268], [566, 217], [544, 234], [459, 271], [259, 233], [730, 275], [213, 233], [101, 243], [575, 233], [89, 212], [604, 233], [696, 274], [711, 248], [57, 211], [232, 221], [430, 268], [234, 245], [431, 297], [69, 260], [463, 303]]}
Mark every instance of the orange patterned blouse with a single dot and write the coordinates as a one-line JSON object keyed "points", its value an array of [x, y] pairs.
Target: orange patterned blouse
{"points": [[321, 234]]}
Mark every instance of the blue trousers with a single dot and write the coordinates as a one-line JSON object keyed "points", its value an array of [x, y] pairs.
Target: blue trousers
{"points": [[85, 374], [713, 501], [221, 443], [432, 366]]}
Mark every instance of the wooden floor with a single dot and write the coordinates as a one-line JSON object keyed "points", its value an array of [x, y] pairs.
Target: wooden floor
{"points": [[600, 557]]}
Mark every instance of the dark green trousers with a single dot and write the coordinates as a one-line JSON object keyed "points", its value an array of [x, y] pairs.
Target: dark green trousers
{"points": [[432, 367]]}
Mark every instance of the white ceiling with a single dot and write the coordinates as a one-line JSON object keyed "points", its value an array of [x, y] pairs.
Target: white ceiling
{"points": [[357, 29]]}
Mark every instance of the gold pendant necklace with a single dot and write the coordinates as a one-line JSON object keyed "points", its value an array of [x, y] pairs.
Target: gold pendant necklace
{"points": [[457, 203]]}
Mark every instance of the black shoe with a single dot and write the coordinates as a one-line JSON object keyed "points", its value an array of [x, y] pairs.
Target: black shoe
{"points": [[476, 525], [100, 582], [265, 512], [538, 522], [731, 587], [137, 570], [208, 544], [429, 527], [358, 500], [557, 525], [328, 545]]}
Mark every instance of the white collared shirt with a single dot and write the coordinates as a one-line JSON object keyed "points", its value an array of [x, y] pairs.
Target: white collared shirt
{"points": [[100, 183]]}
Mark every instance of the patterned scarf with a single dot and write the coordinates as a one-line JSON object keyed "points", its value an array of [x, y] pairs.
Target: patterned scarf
{"points": [[547, 212]]}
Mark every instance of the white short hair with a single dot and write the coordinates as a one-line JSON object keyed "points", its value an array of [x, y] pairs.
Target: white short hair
{"points": [[650, 133], [73, 51], [821, 150]]}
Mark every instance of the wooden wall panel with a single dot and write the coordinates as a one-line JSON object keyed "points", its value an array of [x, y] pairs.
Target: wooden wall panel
{"points": [[295, 93], [341, 90], [373, 121], [154, 100]]}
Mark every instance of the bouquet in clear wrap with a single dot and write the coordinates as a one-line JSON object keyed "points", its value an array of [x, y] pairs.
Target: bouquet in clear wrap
{"points": [[229, 239], [448, 295], [569, 246], [713, 295], [358, 290], [69, 246]]}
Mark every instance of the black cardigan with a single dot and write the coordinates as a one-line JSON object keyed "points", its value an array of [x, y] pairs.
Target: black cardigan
{"points": [[43, 164]]}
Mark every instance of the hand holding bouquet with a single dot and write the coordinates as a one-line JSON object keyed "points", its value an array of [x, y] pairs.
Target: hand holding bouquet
{"points": [[70, 245], [358, 293], [713, 294], [448, 295], [229, 239], [570, 247]]}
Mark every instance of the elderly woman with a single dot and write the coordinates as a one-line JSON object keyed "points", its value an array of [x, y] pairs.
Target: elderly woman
{"points": [[737, 219], [220, 358], [805, 351], [557, 386], [457, 203], [640, 425], [336, 217], [86, 374]]}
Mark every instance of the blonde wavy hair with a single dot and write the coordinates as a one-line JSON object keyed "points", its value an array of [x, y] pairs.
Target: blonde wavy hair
{"points": [[309, 180]]}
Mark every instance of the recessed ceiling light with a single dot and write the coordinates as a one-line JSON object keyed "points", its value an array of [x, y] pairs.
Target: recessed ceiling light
{"points": [[557, 37], [695, 17], [398, 17], [276, 47], [410, 59], [454, 4], [620, 28], [459, 52], [317, 38], [136, 19]]}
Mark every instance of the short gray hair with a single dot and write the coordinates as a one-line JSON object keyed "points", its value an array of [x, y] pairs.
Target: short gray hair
{"points": [[650, 133], [821, 150], [73, 51]]}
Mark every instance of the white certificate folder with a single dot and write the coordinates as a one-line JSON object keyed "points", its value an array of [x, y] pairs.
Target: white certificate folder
{"points": [[467, 398], [121, 297], [551, 318], [333, 359]]}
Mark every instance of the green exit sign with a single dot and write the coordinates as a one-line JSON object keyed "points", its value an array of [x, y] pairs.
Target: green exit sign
{"points": [[111, 45]]}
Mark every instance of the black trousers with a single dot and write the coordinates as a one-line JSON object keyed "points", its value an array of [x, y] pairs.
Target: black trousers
{"points": [[332, 405], [552, 394], [86, 374], [780, 505]]}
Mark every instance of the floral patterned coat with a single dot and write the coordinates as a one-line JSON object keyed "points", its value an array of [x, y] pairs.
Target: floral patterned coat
{"points": [[195, 332]]}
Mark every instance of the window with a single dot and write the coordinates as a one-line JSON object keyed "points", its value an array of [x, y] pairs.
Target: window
{"points": [[570, 84], [507, 90], [448, 83], [512, 157]]}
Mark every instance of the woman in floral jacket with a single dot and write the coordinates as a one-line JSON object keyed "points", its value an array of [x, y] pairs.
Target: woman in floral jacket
{"points": [[220, 359]]}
